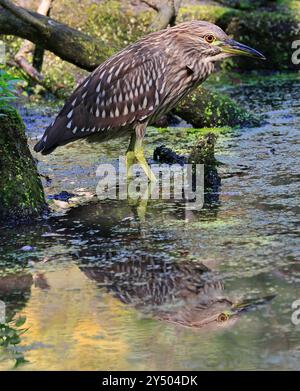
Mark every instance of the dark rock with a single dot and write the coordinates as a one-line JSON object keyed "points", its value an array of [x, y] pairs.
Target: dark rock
{"points": [[162, 154], [62, 196], [201, 153]]}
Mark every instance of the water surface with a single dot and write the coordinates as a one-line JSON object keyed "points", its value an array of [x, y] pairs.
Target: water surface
{"points": [[92, 281]]}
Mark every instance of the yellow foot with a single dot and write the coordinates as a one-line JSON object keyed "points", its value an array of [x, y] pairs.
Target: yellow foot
{"points": [[138, 155]]}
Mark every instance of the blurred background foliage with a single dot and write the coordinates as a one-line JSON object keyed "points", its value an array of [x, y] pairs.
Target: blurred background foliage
{"points": [[269, 25]]}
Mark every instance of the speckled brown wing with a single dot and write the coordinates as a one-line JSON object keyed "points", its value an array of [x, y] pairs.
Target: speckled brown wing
{"points": [[124, 90]]}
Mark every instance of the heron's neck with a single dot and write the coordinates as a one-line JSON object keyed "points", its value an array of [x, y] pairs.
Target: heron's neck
{"points": [[186, 55], [201, 68]]}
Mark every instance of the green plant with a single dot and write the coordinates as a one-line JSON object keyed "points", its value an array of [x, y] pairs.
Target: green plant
{"points": [[8, 85], [10, 336]]}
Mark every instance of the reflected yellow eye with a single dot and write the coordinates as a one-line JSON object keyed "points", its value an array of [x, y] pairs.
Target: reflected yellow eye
{"points": [[223, 317], [209, 38]]}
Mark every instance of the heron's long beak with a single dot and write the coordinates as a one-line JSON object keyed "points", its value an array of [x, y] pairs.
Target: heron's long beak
{"points": [[233, 47], [251, 303]]}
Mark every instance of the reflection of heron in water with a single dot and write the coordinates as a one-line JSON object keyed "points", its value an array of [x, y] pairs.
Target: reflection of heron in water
{"points": [[186, 293]]}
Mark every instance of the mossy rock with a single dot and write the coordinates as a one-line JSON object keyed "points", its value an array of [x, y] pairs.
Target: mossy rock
{"points": [[203, 152], [203, 108], [116, 25], [272, 33], [21, 191], [247, 4], [210, 13]]}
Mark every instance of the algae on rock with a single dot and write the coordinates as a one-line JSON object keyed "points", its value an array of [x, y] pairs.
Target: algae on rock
{"points": [[202, 108], [21, 191], [203, 151]]}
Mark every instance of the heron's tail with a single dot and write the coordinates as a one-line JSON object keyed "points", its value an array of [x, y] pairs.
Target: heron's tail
{"points": [[41, 147], [55, 135]]}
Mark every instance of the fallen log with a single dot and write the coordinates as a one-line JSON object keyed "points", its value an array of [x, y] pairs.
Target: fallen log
{"points": [[67, 43]]}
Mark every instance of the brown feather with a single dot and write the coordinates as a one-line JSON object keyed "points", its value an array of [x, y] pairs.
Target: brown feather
{"points": [[117, 94]]}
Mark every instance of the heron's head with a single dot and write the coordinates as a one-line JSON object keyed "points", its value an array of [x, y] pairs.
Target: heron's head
{"points": [[213, 43], [216, 314]]}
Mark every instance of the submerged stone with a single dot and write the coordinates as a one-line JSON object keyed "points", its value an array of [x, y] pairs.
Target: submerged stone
{"points": [[62, 196]]}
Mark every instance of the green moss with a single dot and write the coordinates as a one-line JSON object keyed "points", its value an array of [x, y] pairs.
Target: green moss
{"points": [[203, 108], [244, 4], [21, 191], [292, 5], [203, 152], [61, 75], [214, 225], [117, 27], [203, 131], [210, 13]]}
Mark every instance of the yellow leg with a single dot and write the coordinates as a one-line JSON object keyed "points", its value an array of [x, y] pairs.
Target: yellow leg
{"points": [[135, 153], [139, 153], [130, 161]]}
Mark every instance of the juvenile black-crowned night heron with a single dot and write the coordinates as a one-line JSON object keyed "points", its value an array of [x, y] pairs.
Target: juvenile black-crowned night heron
{"points": [[139, 84], [185, 293]]}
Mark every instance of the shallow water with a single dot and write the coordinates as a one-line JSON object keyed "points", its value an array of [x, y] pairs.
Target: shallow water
{"points": [[95, 278]]}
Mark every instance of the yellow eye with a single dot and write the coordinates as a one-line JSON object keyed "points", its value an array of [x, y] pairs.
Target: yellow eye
{"points": [[223, 317], [209, 38]]}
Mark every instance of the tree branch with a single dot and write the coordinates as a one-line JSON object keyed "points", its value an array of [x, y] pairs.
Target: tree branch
{"points": [[45, 7], [67, 43], [24, 15], [151, 4], [28, 47], [166, 13]]}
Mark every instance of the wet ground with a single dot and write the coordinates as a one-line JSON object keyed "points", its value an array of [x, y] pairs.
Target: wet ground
{"points": [[104, 289]]}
